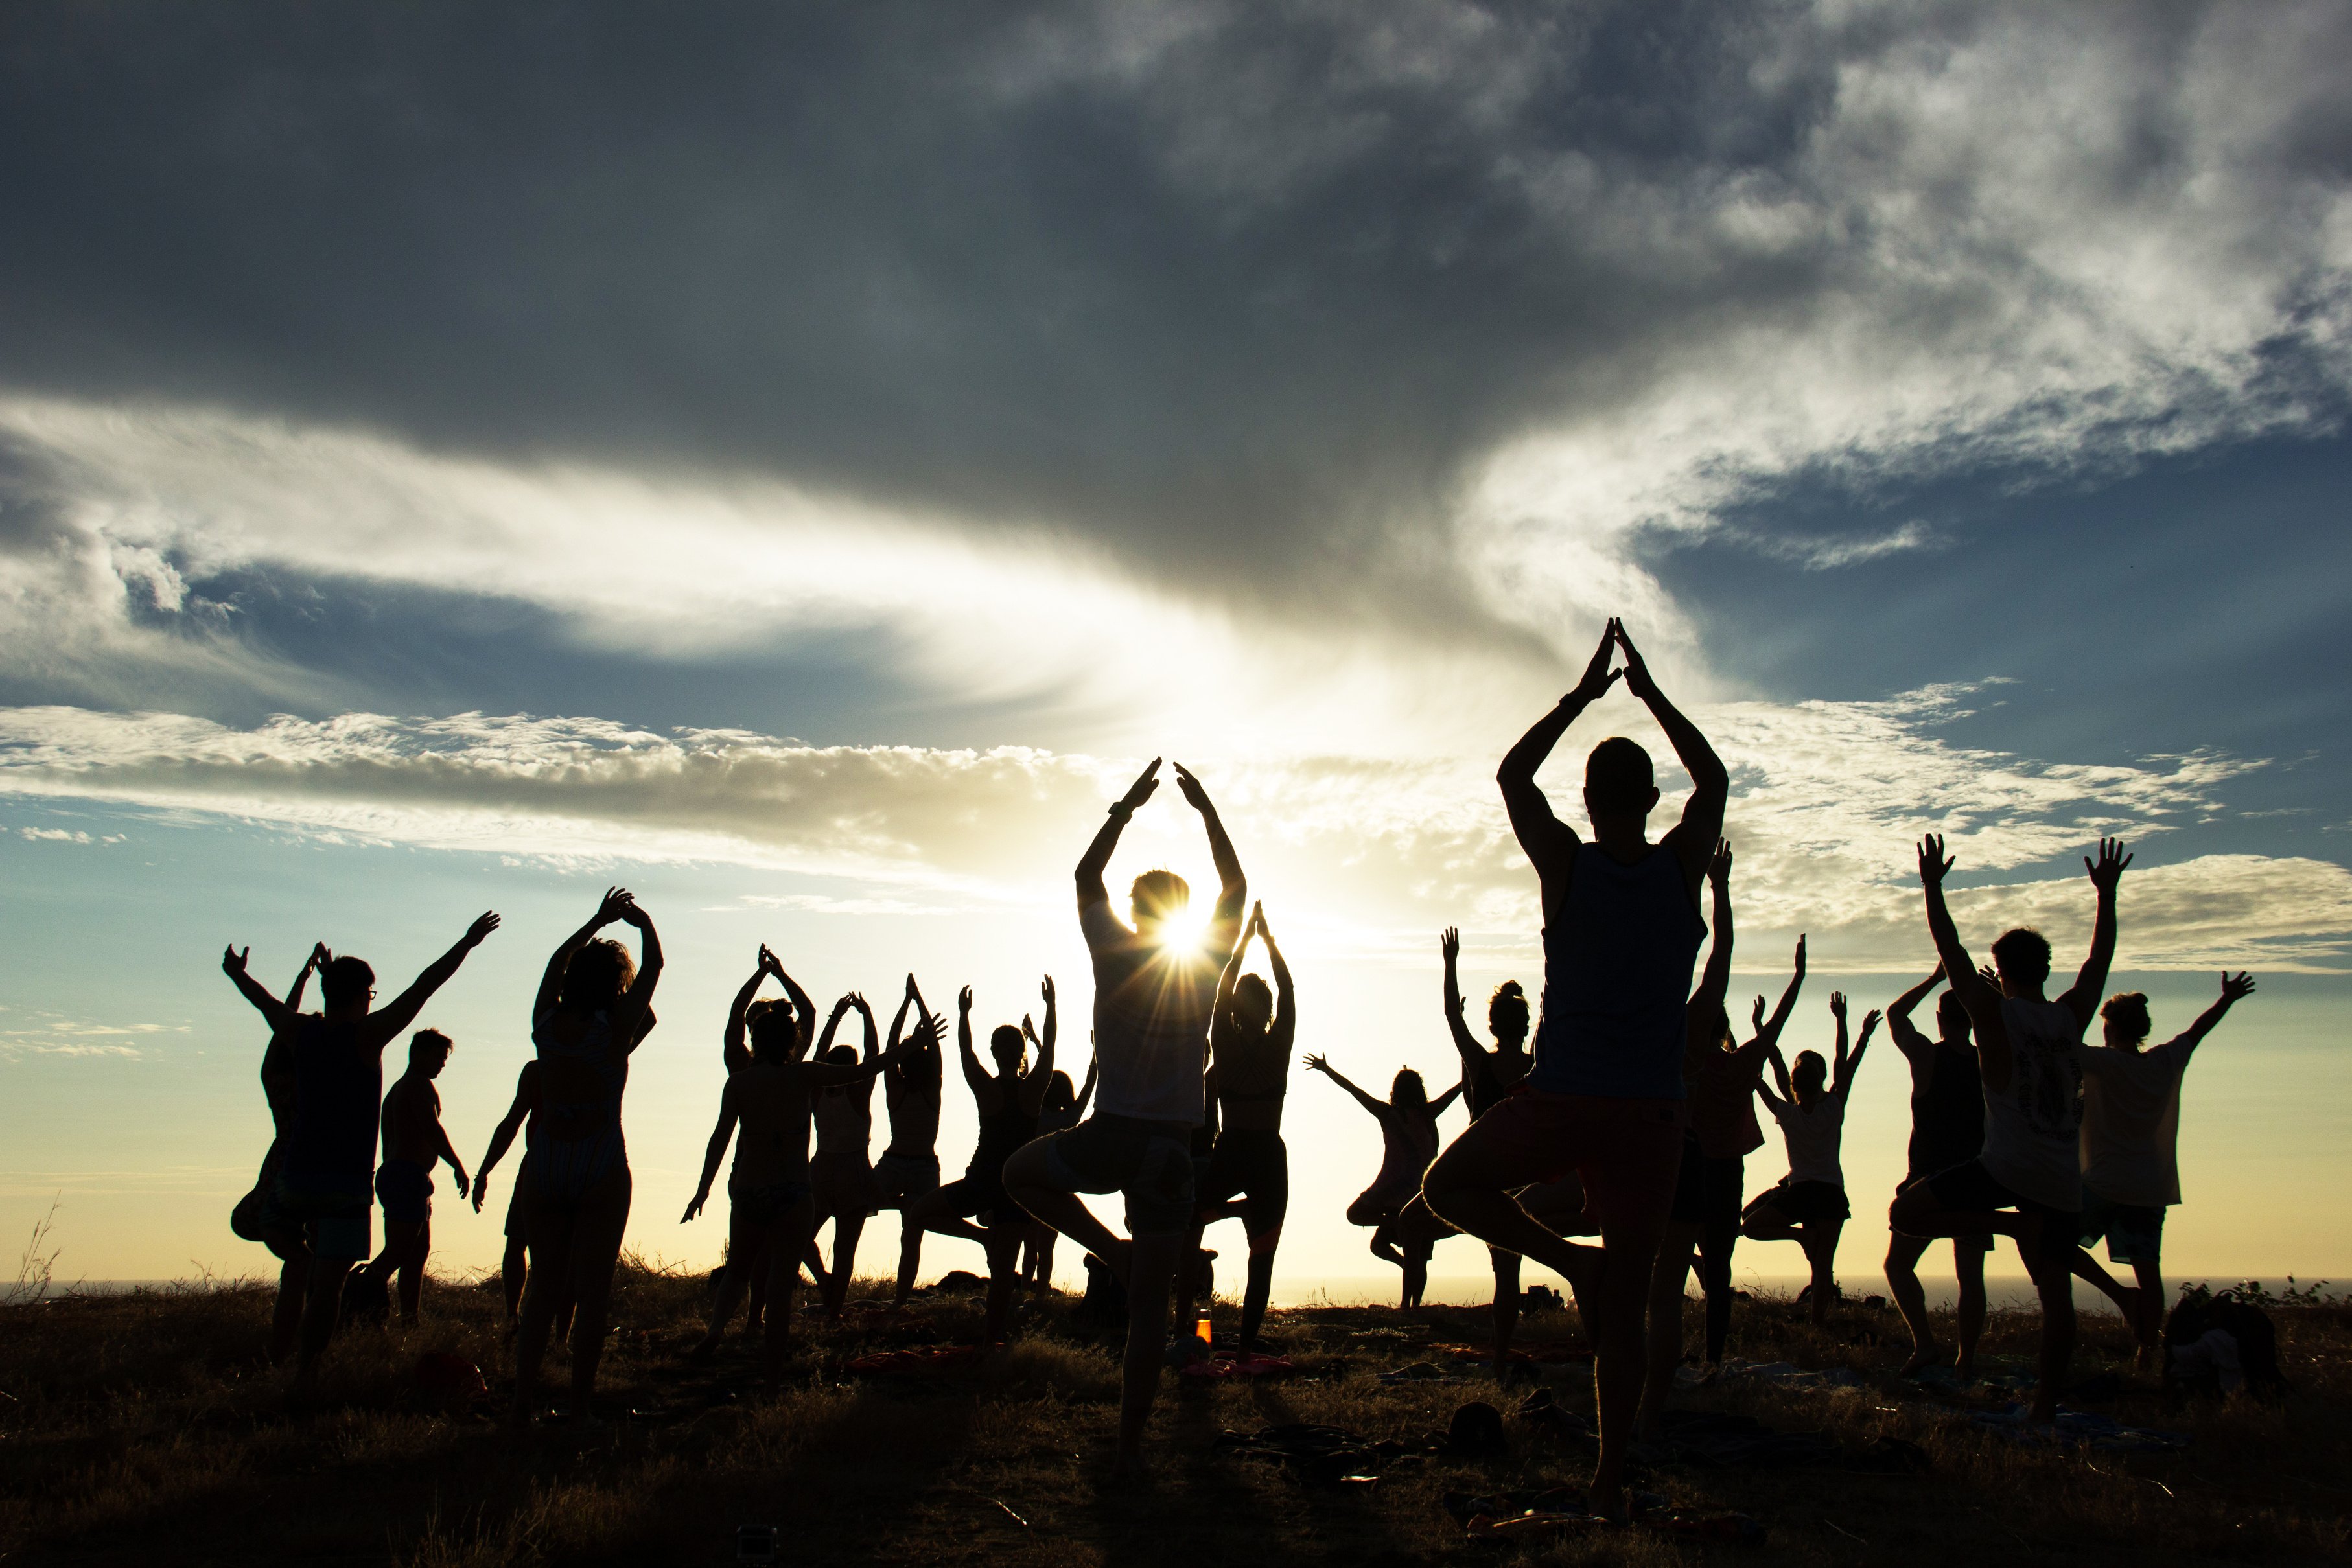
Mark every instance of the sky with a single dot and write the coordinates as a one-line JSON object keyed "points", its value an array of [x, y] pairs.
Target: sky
{"points": [[800, 463]]}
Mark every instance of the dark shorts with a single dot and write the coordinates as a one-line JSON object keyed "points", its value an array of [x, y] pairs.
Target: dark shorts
{"points": [[981, 1199], [1708, 1191], [406, 1189], [1415, 1230], [1626, 1151], [1801, 1202], [765, 1206], [1971, 1189], [1959, 1243], [518, 1226], [2133, 1232], [1149, 1161], [843, 1184], [905, 1177], [335, 1218], [1253, 1165]]}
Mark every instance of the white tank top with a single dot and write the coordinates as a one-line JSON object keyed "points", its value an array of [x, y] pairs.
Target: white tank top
{"points": [[2033, 1128]]}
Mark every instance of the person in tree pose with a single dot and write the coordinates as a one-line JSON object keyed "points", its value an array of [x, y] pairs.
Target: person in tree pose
{"points": [[594, 1007], [1946, 1130], [2027, 1183], [1408, 1120], [1155, 990], [975, 1207], [325, 1178], [1808, 1207], [1605, 1098], [2131, 1160], [1250, 1035], [1064, 1107], [841, 1185], [909, 1170]]}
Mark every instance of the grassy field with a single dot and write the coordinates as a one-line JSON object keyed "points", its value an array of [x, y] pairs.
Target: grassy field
{"points": [[145, 1429]]}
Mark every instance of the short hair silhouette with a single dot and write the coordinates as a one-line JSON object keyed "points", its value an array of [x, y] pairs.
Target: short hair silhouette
{"points": [[1005, 1042], [1952, 1015], [345, 980], [1618, 777], [426, 1040], [1156, 895], [2023, 953], [1810, 1068], [2127, 1010], [597, 975]]}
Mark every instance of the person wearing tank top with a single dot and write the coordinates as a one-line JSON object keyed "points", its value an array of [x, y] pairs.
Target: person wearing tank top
{"points": [[1155, 989], [1064, 1107], [2027, 1182], [1248, 1169], [255, 1217], [975, 1206], [1808, 1207], [1605, 1098], [842, 1187], [1946, 1130]]}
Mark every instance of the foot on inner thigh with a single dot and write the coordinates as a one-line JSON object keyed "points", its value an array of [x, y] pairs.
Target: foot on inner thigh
{"points": [[1119, 1259]]}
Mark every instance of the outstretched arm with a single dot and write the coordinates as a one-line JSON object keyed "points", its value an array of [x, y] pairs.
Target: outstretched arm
{"points": [[1547, 839], [1768, 1030], [804, 1008], [550, 984], [1086, 1092], [1465, 1044], [2091, 984], [734, 1050], [1316, 1063], [975, 1077], [281, 1017], [1097, 859], [2232, 988], [1715, 980], [1907, 1038], [634, 1017], [1443, 1100], [1779, 1102], [832, 1027], [1702, 822], [1033, 1088], [1982, 1002], [1850, 1067], [1233, 887], [319, 959], [387, 1023]]}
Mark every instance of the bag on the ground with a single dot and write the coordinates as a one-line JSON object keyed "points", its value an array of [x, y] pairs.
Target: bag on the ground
{"points": [[2219, 1343], [367, 1298]]}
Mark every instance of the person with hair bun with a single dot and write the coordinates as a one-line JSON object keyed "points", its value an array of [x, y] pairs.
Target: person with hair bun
{"points": [[1809, 1206], [1408, 1120], [2131, 1162]]}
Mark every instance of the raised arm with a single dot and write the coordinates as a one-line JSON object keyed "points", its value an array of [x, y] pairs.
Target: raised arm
{"points": [[1768, 1030], [1285, 1004], [1982, 1002], [1849, 1066], [2091, 984], [551, 983], [1232, 889], [2233, 989], [1097, 859], [281, 1017], [319, 959], [387, 1022], [734, 1049], [715, 1152], [1715, 981], [1702, 822], [1438, 1105], [1316, 1063], [803, 1007], [633, 1016], [1086, 1091], [1543, 836], [1779, 1102], [975, 1077], [1907, 1036], [1033, 1088], [1449, 946]]}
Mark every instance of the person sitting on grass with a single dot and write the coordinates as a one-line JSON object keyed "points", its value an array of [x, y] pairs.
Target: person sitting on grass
{"points": [[2027, 1183], [2131, 1160], [1947, 1129], [1409, 1140], [1155, 990], [413, 1143], [325, 1182], [1809, 1206], [769, 1097], [1064, 1107]]}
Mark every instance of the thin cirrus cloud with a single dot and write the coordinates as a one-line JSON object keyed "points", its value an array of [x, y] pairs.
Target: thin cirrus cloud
{"points": [[1383, 850]]}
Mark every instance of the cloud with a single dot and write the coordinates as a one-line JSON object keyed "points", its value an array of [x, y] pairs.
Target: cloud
{"points": [[44, 1033], [1371, 852]]}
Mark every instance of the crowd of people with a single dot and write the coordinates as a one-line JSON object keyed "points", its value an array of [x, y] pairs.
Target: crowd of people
{"points": [[1626, 1117]]}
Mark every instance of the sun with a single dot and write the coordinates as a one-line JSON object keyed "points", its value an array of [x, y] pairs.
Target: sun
{"points": [[1183, 930]]}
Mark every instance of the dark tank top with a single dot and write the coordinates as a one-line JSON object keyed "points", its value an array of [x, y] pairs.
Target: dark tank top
{"points": [[1617, 977], [1947, 1115], [1002, 1133]]}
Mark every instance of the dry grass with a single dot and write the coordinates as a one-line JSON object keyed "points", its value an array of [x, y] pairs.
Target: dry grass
{"points": [[144, 1429]]}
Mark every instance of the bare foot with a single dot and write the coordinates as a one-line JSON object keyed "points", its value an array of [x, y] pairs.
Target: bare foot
{"points": [[1924, 1356]]}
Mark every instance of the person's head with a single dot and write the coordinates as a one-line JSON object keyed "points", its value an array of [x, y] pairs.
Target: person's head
{"points": [[2126, 1019], [1157, 897], [597, 976], [1810, 1075], [1407, 1089], [1507, 1013], [428, 1051], [2021, 955], [774, 1037], [1723, 1039], [1061, 1095], [1005, 1044], [346, 983], [1618, 782], [1951, 1019], [1252, 1004]]}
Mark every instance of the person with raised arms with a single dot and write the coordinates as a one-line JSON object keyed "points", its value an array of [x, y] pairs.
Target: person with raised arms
{"points": [[1064, 1107], [255, 1217], [842, 1186], [1946, 1130], [1408, 1120], [1250, 1034], [2131, 1160], [1605, 1097], [1809, 1206], [325, 1183], [2027, 1183], [594, 1009], [1155, 990]]}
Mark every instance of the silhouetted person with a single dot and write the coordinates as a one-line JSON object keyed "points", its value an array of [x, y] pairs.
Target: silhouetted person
{"points": [[1408, 1120], [1064, 1106], [592, 1009], [842, 1187], [1946, 1130], [1155, 988], [325, 1177], [255, 1217], [1248, 1179], [909, 1170], [1809, 1206], [975, 1206], [1605, 1097], [2131, 1161], [413, 1143], [2027, 1183], [514, 1267], [769, 1097]]}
